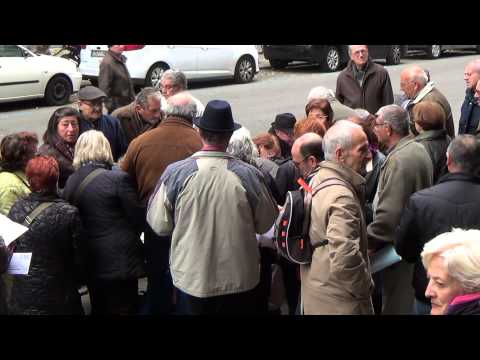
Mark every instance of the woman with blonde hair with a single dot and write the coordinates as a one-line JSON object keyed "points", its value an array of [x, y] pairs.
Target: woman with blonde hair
{"points": [[452, 261], [113, 217]]}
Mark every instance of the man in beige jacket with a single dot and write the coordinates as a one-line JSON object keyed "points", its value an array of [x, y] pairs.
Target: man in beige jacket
{"points": [[338, 281]]}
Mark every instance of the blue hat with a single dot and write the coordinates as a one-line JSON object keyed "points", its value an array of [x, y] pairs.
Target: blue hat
{"points": [[217, 117]]}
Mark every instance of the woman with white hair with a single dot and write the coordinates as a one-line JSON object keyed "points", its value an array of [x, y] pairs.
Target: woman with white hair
{"points": [[113, 217], [452, 261]]}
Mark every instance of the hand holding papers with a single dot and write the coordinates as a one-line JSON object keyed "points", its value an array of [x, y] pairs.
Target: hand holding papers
{"points": [[10, 230]]}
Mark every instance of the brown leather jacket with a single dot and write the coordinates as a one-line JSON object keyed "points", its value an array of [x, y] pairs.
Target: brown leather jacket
{"points": [[114, 79]]}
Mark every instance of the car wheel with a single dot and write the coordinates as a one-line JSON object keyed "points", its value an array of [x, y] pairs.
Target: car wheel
{"points": [[331, 62], [245, 70], [58, 91], [394, 55], [434, 51], [278, 64], [155, 74]]}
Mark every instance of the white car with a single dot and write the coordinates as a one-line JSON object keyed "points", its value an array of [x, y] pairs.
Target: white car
{"points": [[146, 63], [25, 75]]}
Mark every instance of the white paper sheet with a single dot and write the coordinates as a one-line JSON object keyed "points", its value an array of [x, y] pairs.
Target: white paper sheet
{"points": [[20, 264], [10, 230]]}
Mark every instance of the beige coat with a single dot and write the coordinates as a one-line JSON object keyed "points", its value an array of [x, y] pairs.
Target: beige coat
{"points": [[338, 281]]}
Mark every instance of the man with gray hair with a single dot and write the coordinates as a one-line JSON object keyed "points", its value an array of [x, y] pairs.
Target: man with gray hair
{"points": [[146, 159], [363, 84], [141, 115], [470, 112], [453, 202], [415, 83], [340, 111], [338, 281], [407, 169], [173, 82]]}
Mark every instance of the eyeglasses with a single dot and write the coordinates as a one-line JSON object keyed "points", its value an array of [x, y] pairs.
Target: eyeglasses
{"points": [[297, 164], [382, 124], [95, 104]]}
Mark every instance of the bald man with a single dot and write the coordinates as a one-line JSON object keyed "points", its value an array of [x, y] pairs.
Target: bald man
{"points": [[338, 281], [363, 84], [470, 111], [146, 159], [414, 82], [307, 154]]}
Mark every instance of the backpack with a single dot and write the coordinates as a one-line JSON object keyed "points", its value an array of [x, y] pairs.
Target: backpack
{"points": [[293, 223]]}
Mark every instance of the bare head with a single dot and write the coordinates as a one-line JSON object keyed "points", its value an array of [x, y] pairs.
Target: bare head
{"points": [[358, 54], [472, 74], [307, 153], [173, 82], [391, 125], [346, 143], [319, 93], [148, 104], [412, 80], [463, 155], [182, 105]]}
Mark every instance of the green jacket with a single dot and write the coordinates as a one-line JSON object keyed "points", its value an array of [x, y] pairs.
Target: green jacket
{"points": [[407, 169], [12, 186]]}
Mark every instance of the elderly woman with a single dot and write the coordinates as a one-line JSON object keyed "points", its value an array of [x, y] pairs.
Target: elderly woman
{"points": [[113, 217], [319, 118], [429, 119], [53, 238], [452, 261], [268, 146], [15, 151], [60, 138]]}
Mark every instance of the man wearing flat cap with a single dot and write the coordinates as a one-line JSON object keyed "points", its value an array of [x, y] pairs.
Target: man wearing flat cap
{"points": [[213, 204], [90, 102]]}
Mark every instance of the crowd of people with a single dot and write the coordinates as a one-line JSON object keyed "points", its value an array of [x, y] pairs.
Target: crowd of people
{"points": [[158, 185]]}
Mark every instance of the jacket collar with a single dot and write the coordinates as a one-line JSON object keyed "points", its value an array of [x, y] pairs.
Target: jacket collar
{"points": [[356, 180], [424, 92], [176, 120], [118, 57], [369, 69], [432, 134], [459, 177], [215, 154], [400, 145]]}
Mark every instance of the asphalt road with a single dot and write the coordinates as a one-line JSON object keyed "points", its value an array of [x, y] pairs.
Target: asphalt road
{"points": [[273, 91]]}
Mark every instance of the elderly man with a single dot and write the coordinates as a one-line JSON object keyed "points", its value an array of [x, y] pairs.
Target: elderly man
{"points": [[114, 79], [340, 111], [364, 84], [414, 82], [453, 203], [90, 102], [338, 280], [407, 169], [141, 115], [146, 159], [213, 205], [174, 82], [470, 111]]}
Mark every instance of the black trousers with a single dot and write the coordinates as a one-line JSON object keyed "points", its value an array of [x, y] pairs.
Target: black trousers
{"points": [[291, 280], [245, 303], [113, 297], [159, 287]]}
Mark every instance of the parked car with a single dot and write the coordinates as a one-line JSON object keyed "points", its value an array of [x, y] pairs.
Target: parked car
{"points": [[329, 57], [25, 75], [435, 51], [146, 63]]}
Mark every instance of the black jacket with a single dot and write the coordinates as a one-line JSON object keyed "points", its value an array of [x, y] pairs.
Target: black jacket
{"points": [[113, 217], [466, 308], [454, 202], [470, 115], [57, 264], [286, 179], [436, 143]]}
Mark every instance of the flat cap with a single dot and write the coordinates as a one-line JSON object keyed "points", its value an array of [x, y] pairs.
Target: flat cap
{"points": [[90, 93]]}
